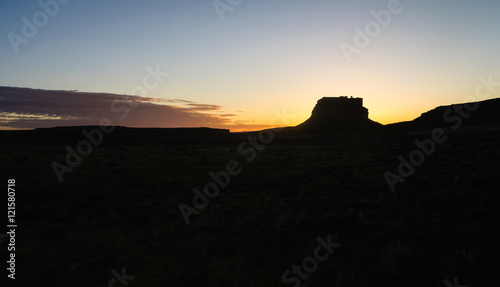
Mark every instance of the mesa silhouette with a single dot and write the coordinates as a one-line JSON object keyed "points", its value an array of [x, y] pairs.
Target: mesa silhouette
{"points": [[338, 114], [330, 116]]}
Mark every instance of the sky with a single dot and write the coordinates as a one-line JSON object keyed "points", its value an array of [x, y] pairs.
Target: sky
{"points": [[236, 62]]}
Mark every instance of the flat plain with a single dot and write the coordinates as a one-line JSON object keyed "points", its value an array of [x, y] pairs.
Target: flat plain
{"points": [[119, 208]]}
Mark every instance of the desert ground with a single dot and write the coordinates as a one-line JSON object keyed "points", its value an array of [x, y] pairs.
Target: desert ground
{"points": [[119, 208]]}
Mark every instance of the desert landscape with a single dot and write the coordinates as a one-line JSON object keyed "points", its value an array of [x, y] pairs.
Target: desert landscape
{"points": [[232, 143], [140, 201]]}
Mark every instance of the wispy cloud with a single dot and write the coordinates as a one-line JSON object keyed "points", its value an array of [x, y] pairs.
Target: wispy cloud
{"points": [[203, 107]]}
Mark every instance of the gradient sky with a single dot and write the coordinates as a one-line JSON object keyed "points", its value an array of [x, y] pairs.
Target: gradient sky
{"points": [[262, 55]]}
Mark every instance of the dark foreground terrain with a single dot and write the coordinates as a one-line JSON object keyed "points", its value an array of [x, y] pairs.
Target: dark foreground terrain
{"points": [[119, 208]]}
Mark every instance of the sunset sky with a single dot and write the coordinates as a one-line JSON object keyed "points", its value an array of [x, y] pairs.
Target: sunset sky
{"points": [[236, 67]]}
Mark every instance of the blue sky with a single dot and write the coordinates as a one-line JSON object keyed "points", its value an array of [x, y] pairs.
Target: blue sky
{"points": [[262, 55]]}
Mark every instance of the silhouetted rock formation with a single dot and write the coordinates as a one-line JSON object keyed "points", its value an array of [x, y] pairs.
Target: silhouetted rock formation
{"points": [[484, 113], [118, 135], [338, 114], [475, 113]]}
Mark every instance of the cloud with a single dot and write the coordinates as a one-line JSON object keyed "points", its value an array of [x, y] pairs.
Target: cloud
{"points": [[24, 108], [203, 107]]}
